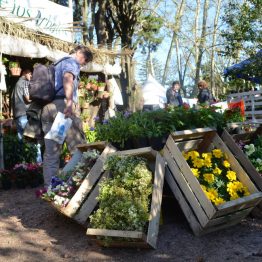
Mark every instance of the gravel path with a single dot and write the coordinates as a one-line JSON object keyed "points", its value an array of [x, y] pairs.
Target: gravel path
{"points": [[30, 230]]}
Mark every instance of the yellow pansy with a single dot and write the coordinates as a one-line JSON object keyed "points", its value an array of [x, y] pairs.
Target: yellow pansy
{"points": [[217, 171], [195, 171], [231, 175], [198, 162], [226, 164], [209, 178], [217, 153]]}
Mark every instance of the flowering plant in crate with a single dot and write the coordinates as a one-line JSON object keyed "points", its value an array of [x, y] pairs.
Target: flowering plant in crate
{"points": [[124, 199], [253, 152], [215, 176], [64, 185]]}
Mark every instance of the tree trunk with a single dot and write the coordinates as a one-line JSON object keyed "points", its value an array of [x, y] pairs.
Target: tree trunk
{"points": [[176, 30], [85, 27], [212, 80], [201, 46]]}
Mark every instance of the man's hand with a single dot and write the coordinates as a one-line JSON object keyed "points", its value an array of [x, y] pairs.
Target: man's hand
{"points": [[69, 108]]}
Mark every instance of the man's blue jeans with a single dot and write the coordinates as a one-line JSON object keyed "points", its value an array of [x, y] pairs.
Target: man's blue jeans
{"points": [[20, 122]]}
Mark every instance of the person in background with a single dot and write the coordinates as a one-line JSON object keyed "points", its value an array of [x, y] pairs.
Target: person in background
{"points": [[173, 95], [204, 96], [20, 102], [66, 76]]}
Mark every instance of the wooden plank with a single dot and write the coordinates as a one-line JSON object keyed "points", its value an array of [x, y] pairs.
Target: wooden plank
{"points": [[186, 208], [238, 204], [73, 161], [220, 227], [95, 145], [190, 178], [87, 183], [256, 112], [123, 244], [185, 187], [229, 218], [90, 203], [191, 134], [115, 233], [235, 166], [153, 226], [245, 93], [243, 159], [208, 137], [188, 145]]}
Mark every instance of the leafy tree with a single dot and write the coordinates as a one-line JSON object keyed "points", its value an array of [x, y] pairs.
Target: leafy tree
{"points": [[244, 27]]}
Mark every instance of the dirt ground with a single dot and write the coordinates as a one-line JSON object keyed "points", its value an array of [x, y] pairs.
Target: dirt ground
{"points": [[31, 230]]}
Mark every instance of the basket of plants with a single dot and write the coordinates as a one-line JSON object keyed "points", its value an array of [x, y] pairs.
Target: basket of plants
{"points": [[247, 148], [211, 187], [129, 200], [73, 186]]}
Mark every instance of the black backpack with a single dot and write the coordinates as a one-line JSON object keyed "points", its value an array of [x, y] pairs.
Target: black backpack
{"points": [[42, 85]]}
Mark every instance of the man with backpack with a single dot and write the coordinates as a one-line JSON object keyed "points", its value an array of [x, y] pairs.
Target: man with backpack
{"points": [[67, 72]]}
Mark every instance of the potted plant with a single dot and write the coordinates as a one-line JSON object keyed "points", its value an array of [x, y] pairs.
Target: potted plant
{"points": [[15, 68]]}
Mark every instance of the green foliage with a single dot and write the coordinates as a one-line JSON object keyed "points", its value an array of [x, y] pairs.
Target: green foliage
{"points": [[16, 151], [157, 123], [244, 31], [124, 199]]}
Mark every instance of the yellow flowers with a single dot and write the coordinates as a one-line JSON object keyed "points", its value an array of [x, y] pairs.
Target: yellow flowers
{"points": [[231, 175], [195, 172], [217, 171], [226, 164], [198, 163], [209, 178], [217, 180], [217, 153]]}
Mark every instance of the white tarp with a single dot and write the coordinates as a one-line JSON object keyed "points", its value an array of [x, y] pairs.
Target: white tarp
{"points": [[154, 93], [44, 16]]}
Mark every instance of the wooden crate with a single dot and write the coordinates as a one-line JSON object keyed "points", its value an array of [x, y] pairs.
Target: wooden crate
{"points": [[76, 204], [139, 239], [201, 214], [230, 141]]}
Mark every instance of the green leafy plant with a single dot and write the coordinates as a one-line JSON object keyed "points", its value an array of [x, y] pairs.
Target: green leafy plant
{"points": [[124, 199], [14, 64], [16, 151]]}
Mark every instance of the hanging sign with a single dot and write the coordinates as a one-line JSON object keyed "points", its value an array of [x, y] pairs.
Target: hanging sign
{"points": [[45, 16]]}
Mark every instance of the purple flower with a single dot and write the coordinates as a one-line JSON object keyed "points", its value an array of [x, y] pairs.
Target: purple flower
{"points": [[127, 114], [55, 181], [105, 121], [96, 118], [92, 129]]}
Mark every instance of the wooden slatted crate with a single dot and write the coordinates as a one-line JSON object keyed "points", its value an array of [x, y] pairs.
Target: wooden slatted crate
{"points": [[86, 192], [256, 177], [146, 239], [202, 215]]}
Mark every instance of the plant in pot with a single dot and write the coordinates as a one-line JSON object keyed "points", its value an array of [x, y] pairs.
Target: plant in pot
{"points": [[15, 68], [94, 84], [20, 175]]}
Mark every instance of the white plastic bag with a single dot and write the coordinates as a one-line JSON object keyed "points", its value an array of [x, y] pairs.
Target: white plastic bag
{"points": [[59, 128]]}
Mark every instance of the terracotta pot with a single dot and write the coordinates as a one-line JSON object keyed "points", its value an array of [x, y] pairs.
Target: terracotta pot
{"points": [[94, 87], [88, 86], [15, 71], [101, 88]]}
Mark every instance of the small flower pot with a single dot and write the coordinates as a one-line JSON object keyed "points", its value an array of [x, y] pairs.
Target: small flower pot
{"points": [[101, 88], [88, 86], [139, 142], [100, 94], [15, 71]]}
